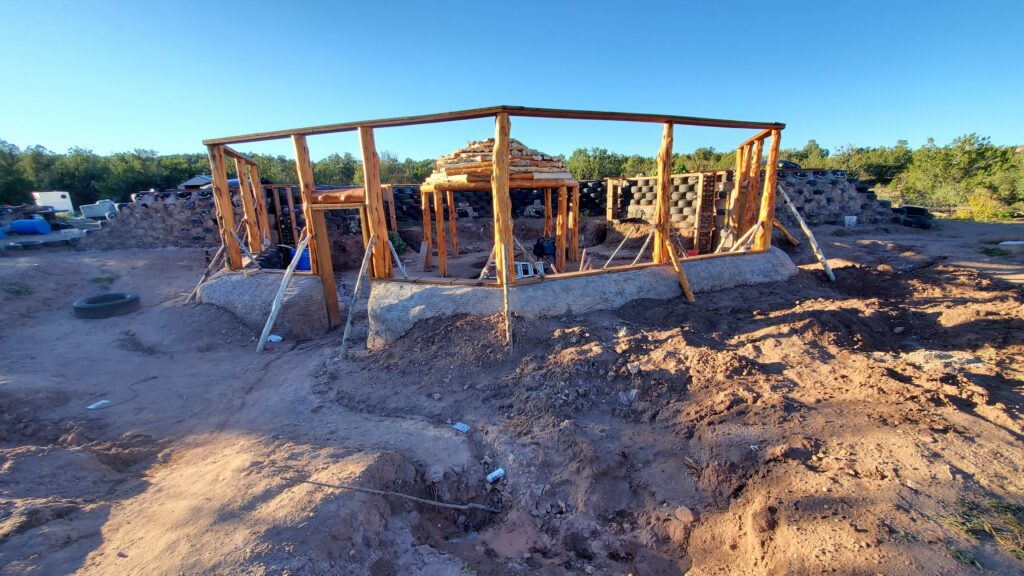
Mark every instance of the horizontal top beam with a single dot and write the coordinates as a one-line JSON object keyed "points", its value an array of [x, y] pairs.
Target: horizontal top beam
{"points": [[491, 111]]}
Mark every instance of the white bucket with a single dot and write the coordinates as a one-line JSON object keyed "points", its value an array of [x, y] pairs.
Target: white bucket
{"points": [[850, 221]]}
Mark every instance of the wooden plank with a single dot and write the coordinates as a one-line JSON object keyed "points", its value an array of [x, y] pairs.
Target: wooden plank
{"points": [[494, 111], [225, 210], [453, 223], [502, 202], [766, 214], [661, 220], [262, 214], [547, 212], [560, 228], [245, 194], [374, 201], [322, 246], [355, 295], [442, 244], [275, 306], [427, 254]]}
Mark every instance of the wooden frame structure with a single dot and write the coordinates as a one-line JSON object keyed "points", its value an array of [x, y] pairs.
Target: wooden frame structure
{"points": [[747, 209]]}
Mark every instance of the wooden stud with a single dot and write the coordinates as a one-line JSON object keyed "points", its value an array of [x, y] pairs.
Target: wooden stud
{"points": [[763, 239], [427, 254], [442, 244], [502, 202], [661, 220], [262, 217], [374, 202], [453, 223], [225, 210], [560, 228], [245, 193], [547, 212]]}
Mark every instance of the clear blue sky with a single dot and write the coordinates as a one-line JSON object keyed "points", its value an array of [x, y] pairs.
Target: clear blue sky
{"points": [[113, 76]]}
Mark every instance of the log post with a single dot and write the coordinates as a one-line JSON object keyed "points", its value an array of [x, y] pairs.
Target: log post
{"points": [[225, 210], [245, 193], [316, 227], [610, 203], [737, 195], [374, 203], [442, 243], [502, 203], [453, 223], [574, 223], [262, 214], [763, 240], [560, 225], [661, 221], [547, 212], [427, 240], [753, 183]]}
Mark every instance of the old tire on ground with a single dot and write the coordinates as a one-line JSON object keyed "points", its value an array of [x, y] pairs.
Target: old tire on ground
{"points": [[106, 305]]}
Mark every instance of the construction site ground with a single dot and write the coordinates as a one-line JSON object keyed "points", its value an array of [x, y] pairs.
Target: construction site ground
{"points": [[870, 426]]}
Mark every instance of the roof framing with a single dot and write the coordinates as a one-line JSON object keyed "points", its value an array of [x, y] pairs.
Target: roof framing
{"points": [[492, 111]]}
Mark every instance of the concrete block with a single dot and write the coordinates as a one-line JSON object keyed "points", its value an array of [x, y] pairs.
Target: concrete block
{"points": [[303, 310]]}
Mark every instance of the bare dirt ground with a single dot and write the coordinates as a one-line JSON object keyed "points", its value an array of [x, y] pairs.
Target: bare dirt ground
{"points": [[869, 426]]}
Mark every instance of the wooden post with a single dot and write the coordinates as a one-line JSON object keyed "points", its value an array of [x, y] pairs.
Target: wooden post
{"points": [[245, 193], [737, 195], [276, 197], [502, 203], [442, 244], [374, 202], [316, 227], [225, 210], [547, 212], [753, 183], [425, 207], [290, 201], [574, 223], [388, 192], [363, 226], [810, 236], [763, 239], [661, 221], [610, 203], [684, 282], [453, 223], [260, 194], [560, 229]]}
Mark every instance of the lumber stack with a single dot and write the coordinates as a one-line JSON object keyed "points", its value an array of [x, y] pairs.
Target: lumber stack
{"points": [[473, 163]]}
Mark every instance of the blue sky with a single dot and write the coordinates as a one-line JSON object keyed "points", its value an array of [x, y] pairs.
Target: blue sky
{"points": [[113, 76]]}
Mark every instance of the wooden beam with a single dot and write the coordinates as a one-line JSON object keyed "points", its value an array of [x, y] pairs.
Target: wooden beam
{"points": [[229, 151], [661, 220], [502, 202], [276, 197], [290, 201], [245, 193], [611, 189], [304, 170], [738, 194], [763, 239], [442, 244], [759, 136], [547, 212], [225, 210], [425, 207], [388, 192], [810, 236], [785, 233], [560, 228], [262, 214], [684, 282], [374, 202], [363, 227], [753, 184], [494, 111], [453, 223]]}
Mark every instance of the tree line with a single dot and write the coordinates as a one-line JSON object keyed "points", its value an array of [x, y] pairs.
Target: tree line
{"points": [[970, 171]]}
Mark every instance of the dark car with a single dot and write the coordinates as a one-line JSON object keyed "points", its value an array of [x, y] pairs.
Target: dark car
{"points": [[913, 216]]}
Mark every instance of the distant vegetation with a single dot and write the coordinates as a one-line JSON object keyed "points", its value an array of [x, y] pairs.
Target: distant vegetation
{"points": [[984, 180]]}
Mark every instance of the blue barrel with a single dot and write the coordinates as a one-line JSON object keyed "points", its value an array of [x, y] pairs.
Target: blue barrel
{"points": [[30, 227], [303, 259]]}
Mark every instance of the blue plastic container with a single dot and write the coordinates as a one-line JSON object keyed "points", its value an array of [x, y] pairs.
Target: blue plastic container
{"points": [[303, 259], [30, 227]]}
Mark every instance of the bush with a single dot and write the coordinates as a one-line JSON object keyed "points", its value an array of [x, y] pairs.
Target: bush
{"points": [[983, 205]]}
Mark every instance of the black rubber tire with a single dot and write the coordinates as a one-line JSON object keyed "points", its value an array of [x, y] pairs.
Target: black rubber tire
{"points": [[106, 305]]}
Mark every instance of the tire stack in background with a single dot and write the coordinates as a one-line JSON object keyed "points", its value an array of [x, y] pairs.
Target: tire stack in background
{"points": [[828, 197]]}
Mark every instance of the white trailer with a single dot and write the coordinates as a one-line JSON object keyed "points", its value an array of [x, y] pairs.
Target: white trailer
{"points": [[60, 200]]}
